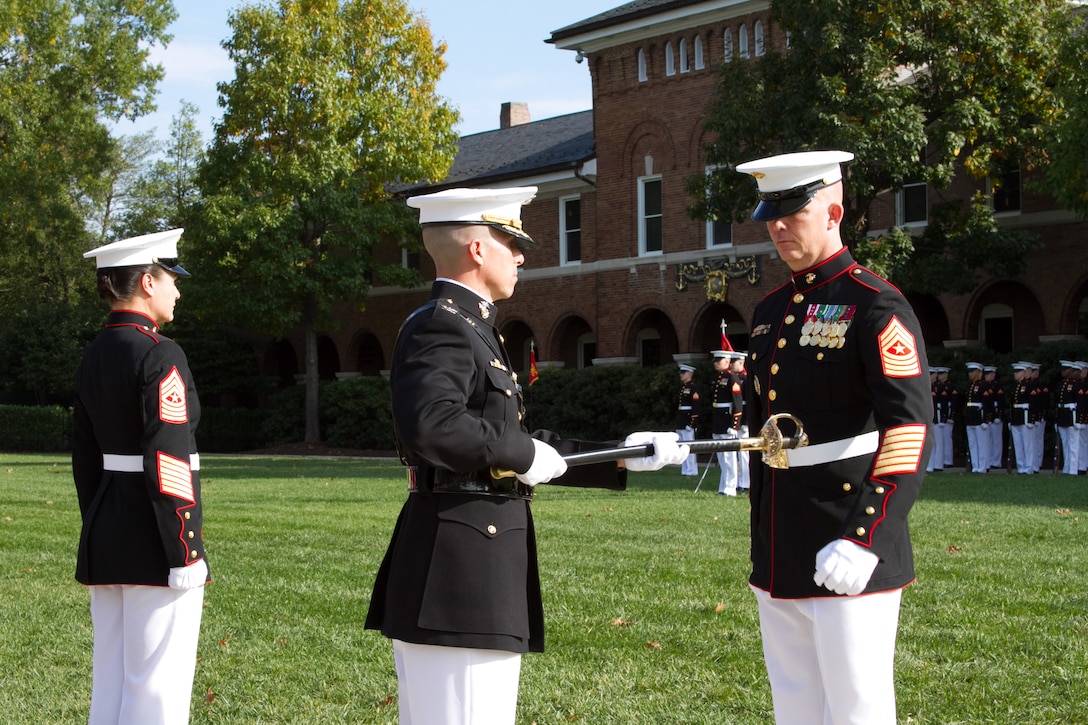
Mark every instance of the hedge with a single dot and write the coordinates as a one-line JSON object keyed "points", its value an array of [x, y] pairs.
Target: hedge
{"points": [[24, 429], [600, 403]]}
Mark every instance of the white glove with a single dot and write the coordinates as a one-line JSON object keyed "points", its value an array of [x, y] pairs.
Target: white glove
{"points": [[844, 567], [985, 426], [547, 464], [1079, 426], [188, 577], [1029, 426], [666, 451]]}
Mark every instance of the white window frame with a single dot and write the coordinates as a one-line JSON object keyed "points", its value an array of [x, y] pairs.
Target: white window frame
{"points": [[405, 260], [901, 204], [642, 75], [758, 31], [684, 66], [564, 231], [727, 45], [742, 42], [642, 217], [670, 60], [697, 46]]}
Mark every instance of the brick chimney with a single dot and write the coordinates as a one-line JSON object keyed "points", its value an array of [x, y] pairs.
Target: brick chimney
{"points": [[513, 114]]}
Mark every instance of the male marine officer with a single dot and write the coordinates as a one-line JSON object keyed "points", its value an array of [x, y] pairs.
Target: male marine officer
{"points": [[458, 591]]}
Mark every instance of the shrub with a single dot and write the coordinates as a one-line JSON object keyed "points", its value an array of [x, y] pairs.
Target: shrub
{"points": [[229, 430], [603, 402], [352, 413], [359, 414]]}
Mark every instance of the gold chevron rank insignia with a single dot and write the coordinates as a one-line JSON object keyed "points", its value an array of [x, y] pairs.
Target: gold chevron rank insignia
{"points": [[898, 351], [901, 451]]}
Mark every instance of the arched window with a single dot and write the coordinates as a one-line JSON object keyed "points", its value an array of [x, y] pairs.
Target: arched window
{"points": [[758, 32], [684, 67], [641, 65], [727, 45], [670, 61], [742, 40], [699, 64]]}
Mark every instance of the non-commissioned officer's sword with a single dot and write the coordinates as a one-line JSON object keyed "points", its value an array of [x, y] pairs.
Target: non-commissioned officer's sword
{"points": [[770, 441]]}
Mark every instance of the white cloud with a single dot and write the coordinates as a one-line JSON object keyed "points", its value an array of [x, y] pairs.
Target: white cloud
{"points": [[194, 62]]}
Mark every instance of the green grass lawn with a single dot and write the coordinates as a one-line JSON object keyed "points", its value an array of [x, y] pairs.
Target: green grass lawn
{"points": [[649, 618]]}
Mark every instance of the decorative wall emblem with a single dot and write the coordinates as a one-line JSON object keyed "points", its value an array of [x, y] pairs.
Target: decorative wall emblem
{"points": [[716, 273]]}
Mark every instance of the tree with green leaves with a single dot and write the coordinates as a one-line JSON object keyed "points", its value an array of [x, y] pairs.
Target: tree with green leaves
{"points": [[333, 102], [106, 198], [919, 92], [67, 68], [164, 193], [1067, 167]]}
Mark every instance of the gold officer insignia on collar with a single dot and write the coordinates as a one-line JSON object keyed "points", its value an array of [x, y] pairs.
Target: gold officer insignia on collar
{"points": [[810, 278], [485, 309], [498, 365]]}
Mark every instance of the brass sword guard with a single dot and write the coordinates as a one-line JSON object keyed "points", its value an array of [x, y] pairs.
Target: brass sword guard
{"points": [[770, 440]]}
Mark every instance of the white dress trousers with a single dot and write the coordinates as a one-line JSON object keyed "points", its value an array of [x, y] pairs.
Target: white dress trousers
{"points": [[456, 685], [1084, 448], [1070, 450], [1023, 444], [997, 443], [744, 480], [947, 431], [830, 660], [690, 466], [727, 461], [1040, 432], [978, 443], [145, 641], [936, 455]]}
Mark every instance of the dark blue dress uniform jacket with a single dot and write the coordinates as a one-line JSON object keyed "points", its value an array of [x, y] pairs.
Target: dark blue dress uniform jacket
{"points": [[135, 397], [867, 372], [726, 388], [461, 568]]}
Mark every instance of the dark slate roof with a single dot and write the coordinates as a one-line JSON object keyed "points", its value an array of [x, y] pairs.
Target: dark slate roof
{"points": [[552, 144], [624, 13]]}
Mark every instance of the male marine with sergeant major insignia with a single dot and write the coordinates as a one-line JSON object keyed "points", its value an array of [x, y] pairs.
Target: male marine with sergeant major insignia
{"points": [[841, 349], [458, 591]]}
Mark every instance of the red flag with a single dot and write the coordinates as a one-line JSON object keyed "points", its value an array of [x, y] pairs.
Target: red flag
{"points": [[533, 372], [725, 339]]}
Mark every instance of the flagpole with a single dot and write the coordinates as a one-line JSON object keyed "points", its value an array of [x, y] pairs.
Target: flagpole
{"points": [[532, 379]]}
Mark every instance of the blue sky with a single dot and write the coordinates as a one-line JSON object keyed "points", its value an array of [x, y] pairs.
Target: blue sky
{"points": [[496, 53]]}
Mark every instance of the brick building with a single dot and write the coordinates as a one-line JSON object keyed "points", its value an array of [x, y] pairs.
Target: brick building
{"points": [[623, 274]]}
